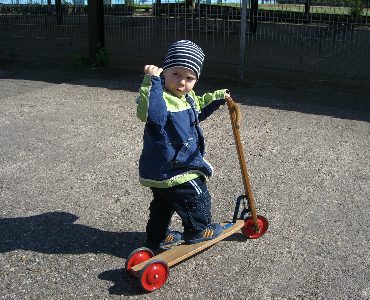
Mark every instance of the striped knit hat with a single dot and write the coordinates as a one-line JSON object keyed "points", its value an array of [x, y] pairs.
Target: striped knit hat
{"points": [[184, 54]]}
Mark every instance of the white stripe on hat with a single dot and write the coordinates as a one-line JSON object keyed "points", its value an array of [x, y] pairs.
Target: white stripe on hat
{"points": [[185, 53], [183, 60]]}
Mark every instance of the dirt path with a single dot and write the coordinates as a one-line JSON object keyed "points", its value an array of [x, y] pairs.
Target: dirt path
{"points": [[72, 209]]}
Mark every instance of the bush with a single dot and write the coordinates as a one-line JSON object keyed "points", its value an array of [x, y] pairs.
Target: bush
{"points": [[356, 7], [102, 57]]}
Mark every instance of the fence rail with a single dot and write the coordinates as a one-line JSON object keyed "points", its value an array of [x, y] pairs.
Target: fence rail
{"points": [[330, 39]]}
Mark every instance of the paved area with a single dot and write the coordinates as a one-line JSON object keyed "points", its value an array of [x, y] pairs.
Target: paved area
{"points": [[72, 210]]}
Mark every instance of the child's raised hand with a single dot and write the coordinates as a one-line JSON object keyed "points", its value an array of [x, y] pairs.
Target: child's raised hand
{"points": [[152, 70]]}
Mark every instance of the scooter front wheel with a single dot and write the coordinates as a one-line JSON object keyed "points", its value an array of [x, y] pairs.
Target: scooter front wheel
{"points": [[154, 275], [249, 230], [137, 257]]}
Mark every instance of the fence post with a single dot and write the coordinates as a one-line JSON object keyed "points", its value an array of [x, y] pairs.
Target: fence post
{"points": [[253, 16], [59, 12], [96, 28], [243, 27]]}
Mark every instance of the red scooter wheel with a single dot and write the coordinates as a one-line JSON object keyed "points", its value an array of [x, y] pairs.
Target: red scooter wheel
{"points": [[250, 232], [137, 257], [154, 275]]}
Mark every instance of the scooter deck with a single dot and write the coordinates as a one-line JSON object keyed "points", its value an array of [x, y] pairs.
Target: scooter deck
{"points": [[183, 251]]}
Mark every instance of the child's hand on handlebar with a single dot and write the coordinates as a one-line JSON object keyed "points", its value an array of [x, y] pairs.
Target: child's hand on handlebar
{"points": [[227, 96]]}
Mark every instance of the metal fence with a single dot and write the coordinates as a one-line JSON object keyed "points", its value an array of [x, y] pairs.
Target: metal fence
{"points": [[331, 39]]}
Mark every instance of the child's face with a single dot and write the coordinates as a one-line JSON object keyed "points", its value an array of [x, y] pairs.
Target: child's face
{"points": [[179, 81]]}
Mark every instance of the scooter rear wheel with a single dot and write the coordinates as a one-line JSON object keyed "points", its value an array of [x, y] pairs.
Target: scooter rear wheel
{"points": [[250, 232], [136, 257]]}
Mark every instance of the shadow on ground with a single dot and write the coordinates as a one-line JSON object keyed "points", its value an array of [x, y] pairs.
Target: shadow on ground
{"points": [[123, 284], [347, 99], [56, 233]]}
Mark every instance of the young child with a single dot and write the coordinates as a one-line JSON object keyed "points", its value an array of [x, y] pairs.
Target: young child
{"points": [[172, 162]]}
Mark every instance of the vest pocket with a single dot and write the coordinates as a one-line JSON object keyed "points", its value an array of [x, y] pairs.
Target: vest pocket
{"points": [[187, 155]]}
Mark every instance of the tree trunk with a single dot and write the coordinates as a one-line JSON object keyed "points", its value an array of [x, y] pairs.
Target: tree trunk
{"points": [[96, 28]]}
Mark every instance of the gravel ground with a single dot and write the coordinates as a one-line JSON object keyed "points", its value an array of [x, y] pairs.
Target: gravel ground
{"points": [[72, 209]]}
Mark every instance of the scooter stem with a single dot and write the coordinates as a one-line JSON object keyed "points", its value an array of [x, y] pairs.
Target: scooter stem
{"points": [[235, 116]]}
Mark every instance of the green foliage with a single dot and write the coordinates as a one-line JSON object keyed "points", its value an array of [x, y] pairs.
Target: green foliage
{"points": [[83, 60], [356, 7], [30, 3], [102, 57], [66, 3], [130, 2]]}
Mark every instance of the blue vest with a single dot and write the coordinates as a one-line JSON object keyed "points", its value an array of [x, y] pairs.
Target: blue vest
{"points": [[173, 140]]}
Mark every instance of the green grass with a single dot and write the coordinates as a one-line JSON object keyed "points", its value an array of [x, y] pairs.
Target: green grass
{"points": [[300, 8], [282, 7], [313, 9]]}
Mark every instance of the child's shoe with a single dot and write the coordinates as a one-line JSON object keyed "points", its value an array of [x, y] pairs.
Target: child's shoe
{"points": [[211, 232], [173, 237]]}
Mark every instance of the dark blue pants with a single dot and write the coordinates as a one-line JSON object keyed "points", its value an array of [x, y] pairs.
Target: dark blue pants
{"points": [[190, 200]]}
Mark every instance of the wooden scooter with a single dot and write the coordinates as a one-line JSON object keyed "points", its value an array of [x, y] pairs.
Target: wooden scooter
{"points": [[153, 270]]}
